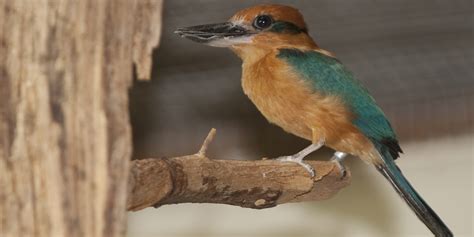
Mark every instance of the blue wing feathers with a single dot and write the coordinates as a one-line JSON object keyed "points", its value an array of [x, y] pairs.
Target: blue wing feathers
{"points": [[328, 75]]}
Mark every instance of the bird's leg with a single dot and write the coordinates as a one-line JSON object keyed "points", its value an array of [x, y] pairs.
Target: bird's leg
{"points": [[298, 157], [337, 158]]}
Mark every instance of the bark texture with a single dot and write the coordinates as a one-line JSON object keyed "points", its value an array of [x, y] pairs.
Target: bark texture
{"points": [[147, 35], [252, 184], [65, 139]]}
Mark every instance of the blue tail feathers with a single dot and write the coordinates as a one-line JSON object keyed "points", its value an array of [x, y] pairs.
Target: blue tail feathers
{"points": [[424, 212]]}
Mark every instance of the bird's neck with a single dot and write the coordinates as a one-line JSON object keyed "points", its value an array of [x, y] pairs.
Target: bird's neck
{"points": [[267, 44]]}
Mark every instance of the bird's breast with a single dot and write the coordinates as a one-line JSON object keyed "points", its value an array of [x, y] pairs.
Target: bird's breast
{"points": [[279, 95], [291, 102]]}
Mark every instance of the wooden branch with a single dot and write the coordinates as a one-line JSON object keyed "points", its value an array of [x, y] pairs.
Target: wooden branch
{"points": [[252, 184]]}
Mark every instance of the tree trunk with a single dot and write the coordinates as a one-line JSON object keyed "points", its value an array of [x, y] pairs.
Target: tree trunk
{"points": [[65, 139]]}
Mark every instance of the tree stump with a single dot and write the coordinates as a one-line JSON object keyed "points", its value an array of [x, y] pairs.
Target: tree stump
{"points": [[65, 138]]}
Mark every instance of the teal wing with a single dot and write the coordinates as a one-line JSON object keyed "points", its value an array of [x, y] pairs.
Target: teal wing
{"points": [[327, 75]]}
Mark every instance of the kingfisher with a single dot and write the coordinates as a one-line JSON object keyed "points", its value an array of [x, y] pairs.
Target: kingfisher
{"points": [[308, 92]]}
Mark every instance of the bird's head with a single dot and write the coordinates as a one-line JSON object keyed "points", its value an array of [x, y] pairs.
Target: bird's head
{"points": [[262, 26]]}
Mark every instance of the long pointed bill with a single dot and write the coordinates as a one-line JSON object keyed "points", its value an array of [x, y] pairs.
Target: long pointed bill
{"points": [[218, 35]]}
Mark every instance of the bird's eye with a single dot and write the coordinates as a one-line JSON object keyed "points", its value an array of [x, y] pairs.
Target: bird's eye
{"points": [[262, 22]]}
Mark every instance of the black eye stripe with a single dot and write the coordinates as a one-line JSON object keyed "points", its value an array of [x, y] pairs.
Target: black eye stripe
{"points": [[287, 27], [262, 22]]}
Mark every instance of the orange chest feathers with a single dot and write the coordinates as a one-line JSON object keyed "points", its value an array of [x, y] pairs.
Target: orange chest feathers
{"points": [[278, 94], [290, 102]]}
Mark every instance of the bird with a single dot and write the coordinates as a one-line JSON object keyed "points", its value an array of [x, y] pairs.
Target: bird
{"points": [[308, 92]]}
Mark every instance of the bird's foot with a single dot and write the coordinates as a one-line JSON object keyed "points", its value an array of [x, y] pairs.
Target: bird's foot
{"points": [[298, 161], [337, 158], [298, 157]]}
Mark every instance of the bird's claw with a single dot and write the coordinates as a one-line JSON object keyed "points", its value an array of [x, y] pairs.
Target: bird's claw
{"points": [[340, 166], [298, 161], [337, 159]]}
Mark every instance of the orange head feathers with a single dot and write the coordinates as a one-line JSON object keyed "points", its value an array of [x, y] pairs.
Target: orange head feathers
{"points": [[278, 13], [259, 27]]}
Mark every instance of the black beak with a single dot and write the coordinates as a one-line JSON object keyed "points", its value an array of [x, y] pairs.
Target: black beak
{"points": [[211, 32]]}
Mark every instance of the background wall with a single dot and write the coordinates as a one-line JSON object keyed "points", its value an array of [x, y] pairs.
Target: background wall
{"points": [[416, 58]]}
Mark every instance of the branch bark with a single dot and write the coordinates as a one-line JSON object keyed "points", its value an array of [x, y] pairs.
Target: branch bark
{"points": [[252, 184]]}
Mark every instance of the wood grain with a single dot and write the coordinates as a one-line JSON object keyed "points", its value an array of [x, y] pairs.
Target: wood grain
{"points": [[251, 184], [65, 138], [147, 35]]}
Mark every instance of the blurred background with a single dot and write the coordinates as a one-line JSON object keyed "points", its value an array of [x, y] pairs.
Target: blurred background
{"points": [[416, 58]]}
